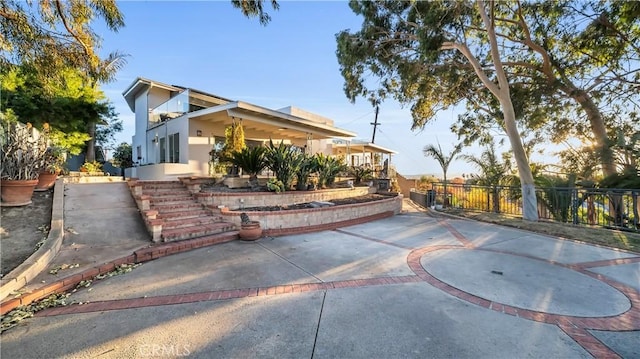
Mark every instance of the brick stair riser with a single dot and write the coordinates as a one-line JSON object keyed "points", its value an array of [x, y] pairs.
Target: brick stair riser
{"points": [[182, 215], [177, 207], [175, 204], [168, 192], [170, 199], [189, 222], [196, 232]]}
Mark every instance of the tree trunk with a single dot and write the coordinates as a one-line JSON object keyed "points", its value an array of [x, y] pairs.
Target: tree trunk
{"points": [[597, 127], [90, 154], [529, 202]]}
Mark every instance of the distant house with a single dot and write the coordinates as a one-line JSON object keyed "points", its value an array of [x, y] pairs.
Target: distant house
{"points": [[176, 128]]}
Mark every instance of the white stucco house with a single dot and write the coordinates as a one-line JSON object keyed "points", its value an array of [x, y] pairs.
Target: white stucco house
{"points": [[176, 127]]}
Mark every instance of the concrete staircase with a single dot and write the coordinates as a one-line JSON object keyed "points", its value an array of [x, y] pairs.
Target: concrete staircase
{"points": [[172, 213]]}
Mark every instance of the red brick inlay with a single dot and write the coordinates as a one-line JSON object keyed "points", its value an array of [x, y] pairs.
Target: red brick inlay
{"points": [[575, 327], [373, 239], [222, 295], [606, 262], [459, 236]]}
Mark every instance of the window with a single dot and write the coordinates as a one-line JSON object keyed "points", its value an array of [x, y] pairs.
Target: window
{"points": [[139, 153], [163, 150], [174, 148]]}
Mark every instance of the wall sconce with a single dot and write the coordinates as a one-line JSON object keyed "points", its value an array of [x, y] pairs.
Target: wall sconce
{"points": [[199, 133], [155, 139]]}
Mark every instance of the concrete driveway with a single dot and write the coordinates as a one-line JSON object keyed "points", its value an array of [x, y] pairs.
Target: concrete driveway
{"points": [[408, 286]]}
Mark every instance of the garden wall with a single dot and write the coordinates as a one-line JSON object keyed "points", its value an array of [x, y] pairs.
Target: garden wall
{"points": [[238, 200], [318, 219]]}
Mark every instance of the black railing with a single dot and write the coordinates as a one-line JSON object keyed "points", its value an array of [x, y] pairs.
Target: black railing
{"points": [[603, 207]]}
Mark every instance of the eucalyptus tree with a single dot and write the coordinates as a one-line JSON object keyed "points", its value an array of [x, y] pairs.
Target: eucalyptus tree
{"points": [[575, 70], [587, 53], [443, 159], [255, 8], [433, 54], [52, 35]]}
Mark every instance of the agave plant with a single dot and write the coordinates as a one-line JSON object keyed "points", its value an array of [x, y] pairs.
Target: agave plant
{"points": [[251, 160], [284, 160]]}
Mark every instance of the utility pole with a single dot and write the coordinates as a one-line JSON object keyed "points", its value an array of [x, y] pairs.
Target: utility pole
{"points": [[375, 125]]}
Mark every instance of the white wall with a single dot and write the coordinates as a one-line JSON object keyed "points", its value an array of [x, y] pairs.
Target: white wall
{"points": [[138, 138]]}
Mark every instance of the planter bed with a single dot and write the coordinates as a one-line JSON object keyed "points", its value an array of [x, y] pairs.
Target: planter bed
{"points": [[282, 222], [235, 198]]}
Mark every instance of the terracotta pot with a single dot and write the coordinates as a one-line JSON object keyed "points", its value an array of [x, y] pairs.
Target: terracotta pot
{"points": [[46, 180], [17, 192], [250, 231]]}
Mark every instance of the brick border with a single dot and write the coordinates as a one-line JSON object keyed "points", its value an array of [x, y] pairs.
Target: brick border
{"points": [[575, 327], [139, 256], [223, 294]]}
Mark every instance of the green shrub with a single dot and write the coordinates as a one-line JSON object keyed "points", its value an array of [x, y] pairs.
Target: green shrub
{"points": [[284, 160], [251, 160], [328, 169]]}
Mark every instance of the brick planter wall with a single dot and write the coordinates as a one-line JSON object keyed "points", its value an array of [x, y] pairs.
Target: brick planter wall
{"points": [[231, 200], [318, 219]]}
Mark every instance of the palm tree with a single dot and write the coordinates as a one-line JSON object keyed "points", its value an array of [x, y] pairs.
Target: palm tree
{"points": [[492, 170], [105, 71], [443, 160]]}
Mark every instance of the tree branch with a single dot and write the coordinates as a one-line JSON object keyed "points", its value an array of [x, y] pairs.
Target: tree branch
{"points": [[69, 30]]}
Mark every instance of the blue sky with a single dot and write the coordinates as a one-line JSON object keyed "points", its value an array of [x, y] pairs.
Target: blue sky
{"points": [[211, 46]]}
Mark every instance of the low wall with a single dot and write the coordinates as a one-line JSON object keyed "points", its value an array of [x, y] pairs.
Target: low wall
{"points": [[238, 200], [318, 219]]}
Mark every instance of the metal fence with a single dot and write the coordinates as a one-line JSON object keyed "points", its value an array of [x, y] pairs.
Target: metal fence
{"points": [[603, 207]]}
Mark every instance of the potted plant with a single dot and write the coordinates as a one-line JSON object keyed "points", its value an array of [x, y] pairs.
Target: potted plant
{"points": [[52, 166], [252, 162], [249, 230], [22, 152]]}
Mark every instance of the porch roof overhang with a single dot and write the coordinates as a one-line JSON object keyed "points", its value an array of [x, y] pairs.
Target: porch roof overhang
{"points": [[356, 147], [261, 122]]}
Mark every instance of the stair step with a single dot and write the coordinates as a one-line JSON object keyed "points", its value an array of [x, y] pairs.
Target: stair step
{"points": [[160, 184], [174, 202], [188, 222], [173, 198], [166, 192], [177, 215], [176, 207], [176, 234]]}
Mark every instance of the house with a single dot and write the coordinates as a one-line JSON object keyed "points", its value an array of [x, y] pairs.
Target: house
{"points": [[361, 153], [176, 128]]}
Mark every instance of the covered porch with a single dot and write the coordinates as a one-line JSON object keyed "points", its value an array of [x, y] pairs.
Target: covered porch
{"points": [[360, 153], [181, 145]]}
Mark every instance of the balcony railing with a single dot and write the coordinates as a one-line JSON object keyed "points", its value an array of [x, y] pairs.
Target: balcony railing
{"points": [[173, 108]]}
